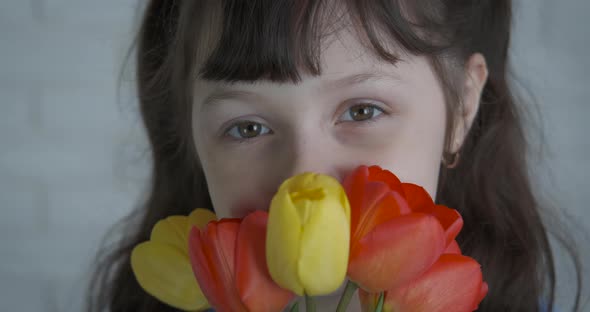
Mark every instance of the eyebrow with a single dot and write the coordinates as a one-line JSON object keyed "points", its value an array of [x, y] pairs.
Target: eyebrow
{"points": [[224, 94]]}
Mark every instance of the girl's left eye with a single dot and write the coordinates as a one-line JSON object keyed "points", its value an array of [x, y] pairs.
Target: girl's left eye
{"points": [[362, 112], [247, 130]]}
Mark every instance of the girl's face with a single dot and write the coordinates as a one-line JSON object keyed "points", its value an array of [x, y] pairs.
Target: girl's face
{"points": [[251, 137]]}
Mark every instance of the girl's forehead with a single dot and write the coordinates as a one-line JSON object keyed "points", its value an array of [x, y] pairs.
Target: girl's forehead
{"points": [[346, 64], [342, 56], [344, 52], [230, 49]]}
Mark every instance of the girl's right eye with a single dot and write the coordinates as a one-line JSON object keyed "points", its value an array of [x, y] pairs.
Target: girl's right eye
{"points": [[247, 130]]}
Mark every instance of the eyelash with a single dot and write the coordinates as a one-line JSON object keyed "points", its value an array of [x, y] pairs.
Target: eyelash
{"points": [[243, 140], [366, 121], [370, 120]]}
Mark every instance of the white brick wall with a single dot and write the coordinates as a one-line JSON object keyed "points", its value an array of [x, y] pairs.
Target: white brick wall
{"points": [[69, 145]]}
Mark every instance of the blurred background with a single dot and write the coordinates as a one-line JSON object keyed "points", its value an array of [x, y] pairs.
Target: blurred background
{"points": [[73, 157]]}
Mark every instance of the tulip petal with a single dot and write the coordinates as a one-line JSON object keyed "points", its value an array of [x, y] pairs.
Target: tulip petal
{"points": [[171, 231], [450, 219], [354, 185], [283, 239], [376, 173], [396, 252], [453, 248], [453, 283], [308, 234], [482, 293], [174, 230], [324, 250], [417, 197], [212, 252], [199, 218], [383, 208], [370, 179], [256, 288], [164, 271], [420, 201], [373, 202]]}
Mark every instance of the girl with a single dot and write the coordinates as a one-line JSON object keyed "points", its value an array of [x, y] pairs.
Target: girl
{"points": [[237, 96]]}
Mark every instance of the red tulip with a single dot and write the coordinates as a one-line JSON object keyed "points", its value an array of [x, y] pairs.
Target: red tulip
{"points": [[420, 201], [228, 260], [453, 283], [397, 232]]}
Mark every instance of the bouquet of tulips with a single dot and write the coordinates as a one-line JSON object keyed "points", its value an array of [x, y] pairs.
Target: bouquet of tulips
{"points": [[386, 239]]}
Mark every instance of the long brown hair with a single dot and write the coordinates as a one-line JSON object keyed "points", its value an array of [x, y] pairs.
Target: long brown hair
{"points": [[277, 39]]}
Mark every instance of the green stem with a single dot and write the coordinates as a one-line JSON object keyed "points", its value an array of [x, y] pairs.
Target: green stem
{"points": [[351, 287], [309, 304], [379, 307], [295, 307]]}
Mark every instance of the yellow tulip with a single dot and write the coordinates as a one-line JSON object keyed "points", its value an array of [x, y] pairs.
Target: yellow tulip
{"points": [[162, 266], [308, 234]]}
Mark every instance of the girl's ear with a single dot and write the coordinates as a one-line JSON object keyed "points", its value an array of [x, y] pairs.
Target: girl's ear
{"points": [[476, 75]]}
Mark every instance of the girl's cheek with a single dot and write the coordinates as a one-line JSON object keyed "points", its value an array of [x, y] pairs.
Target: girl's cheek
{"points": [[378, 137]]}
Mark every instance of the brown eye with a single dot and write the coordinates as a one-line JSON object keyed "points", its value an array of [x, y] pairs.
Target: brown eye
{"points": [[362, 112], [247, 130]]}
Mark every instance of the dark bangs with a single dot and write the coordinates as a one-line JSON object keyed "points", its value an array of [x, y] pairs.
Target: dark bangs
{"points": [[278, 40]]}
